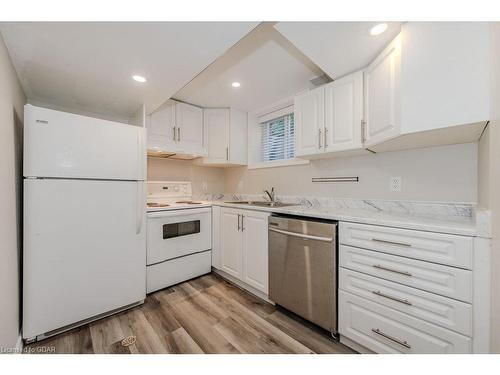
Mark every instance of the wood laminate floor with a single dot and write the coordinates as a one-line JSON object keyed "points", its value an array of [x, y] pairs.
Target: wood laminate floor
{"points": [[203, 315]]}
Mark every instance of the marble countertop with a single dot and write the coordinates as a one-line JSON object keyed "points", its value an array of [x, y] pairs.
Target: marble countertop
{"points": [[465, 226]]}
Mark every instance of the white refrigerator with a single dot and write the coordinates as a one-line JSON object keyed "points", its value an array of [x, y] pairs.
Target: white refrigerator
{"points": [[84, 219]]}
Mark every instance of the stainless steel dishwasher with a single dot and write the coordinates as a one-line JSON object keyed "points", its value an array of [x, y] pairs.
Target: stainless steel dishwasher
{"points": [[303, 268]]}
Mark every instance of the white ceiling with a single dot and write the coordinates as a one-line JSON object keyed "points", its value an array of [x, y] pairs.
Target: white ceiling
{"points": [[87, 67], [338, 48], [266, 64]]}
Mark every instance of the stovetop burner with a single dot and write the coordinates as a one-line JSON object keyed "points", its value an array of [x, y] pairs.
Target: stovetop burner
{"points": [[153, 204]]}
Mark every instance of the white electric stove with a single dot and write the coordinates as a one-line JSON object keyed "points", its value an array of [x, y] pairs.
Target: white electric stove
{"points": [[179, 236]]}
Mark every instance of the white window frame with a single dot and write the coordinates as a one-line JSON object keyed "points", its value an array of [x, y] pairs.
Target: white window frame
{"points": [[254, 144]]}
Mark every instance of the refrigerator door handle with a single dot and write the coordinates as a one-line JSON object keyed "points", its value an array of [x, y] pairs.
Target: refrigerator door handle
{"points": [[140, 207]]}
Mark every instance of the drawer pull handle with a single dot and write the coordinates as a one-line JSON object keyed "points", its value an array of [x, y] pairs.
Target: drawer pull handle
{"points": [[406, 273], [392, 242], [379, 293], [400, 342]]}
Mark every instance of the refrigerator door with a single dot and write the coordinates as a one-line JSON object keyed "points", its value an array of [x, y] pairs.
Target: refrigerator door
{"points": [[84, 250], [64, 145]]}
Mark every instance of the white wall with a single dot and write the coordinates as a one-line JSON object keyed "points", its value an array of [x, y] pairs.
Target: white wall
{"points": [[490, 194], [443, 174], [181, 170], [11, 116]]}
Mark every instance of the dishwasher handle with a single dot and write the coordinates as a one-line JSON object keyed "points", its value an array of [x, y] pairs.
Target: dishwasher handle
{"points": [[301, 235]]}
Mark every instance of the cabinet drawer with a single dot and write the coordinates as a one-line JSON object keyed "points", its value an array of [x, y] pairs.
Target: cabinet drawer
{"points": [[447, 281], [442, 311], [385, 330], [433, 247]]}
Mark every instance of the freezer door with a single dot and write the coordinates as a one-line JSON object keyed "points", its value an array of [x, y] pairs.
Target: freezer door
{"points": [[84, 250], [59, 144]]}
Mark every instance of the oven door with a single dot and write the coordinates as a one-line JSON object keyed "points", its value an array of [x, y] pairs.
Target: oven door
{"points": [[175, 233]]}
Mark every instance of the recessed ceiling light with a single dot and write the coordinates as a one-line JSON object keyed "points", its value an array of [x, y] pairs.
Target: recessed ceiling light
{"points": [[139, 78], [378, 29], [236, 84]]}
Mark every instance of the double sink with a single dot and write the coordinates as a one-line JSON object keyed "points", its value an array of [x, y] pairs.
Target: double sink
{"points": [[262, 203]]}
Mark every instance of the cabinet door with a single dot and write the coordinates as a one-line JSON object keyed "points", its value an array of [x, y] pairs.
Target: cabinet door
{"points": [[216, 228], [238, 137], [230, 242], [255, 249], [309, 122], [216, 123], [189, 121], [161, 128], [445, 75], [382, 95], [344, 113]]}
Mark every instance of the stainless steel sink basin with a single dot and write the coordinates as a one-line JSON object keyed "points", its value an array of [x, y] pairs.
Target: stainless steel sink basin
{"points": [[262, 203]]}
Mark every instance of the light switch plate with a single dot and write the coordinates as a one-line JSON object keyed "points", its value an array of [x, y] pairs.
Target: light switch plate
{"points": [[395, 183], [204, 186]]}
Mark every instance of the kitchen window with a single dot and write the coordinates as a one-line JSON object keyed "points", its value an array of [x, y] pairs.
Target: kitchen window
{"points": [[271, 139], [277, 139]]}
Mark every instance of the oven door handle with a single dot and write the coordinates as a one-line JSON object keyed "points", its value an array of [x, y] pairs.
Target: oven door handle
{"points": [[301, 235]]}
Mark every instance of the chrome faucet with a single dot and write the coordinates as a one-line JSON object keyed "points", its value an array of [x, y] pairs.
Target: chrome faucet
{"points": [[271, 195]]}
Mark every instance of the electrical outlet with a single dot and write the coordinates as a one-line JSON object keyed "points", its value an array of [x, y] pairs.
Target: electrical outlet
{"points": [[204, 186], [240, 184], [395, 183]]}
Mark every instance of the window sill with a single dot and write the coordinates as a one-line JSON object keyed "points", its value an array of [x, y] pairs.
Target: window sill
{"points": [[278, 163]]}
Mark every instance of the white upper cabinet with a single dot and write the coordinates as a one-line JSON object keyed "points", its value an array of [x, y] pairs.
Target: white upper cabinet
{"points": [[189, 127], [382, 95], [429, 87], [176, 128], [344, 113], [225, 137], [216, 122], [328, 118], [309, 116], [160, 125], [444, 74]]}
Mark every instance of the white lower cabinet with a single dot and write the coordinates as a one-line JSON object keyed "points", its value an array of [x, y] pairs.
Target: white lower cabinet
{"points": [[231, 243], [384, 330], [255, 249], [442, 311], [243, 246], [443, 280], [390, 302]]}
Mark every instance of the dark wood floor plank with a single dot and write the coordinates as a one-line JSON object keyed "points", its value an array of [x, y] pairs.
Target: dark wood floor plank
{"points": [[200, 326], [259, 326], [306, 333], [204, 282], [248, 300], [134, 323], [159, 314], [203, 315], [246, 339], [185, 343], [105, 333]]}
